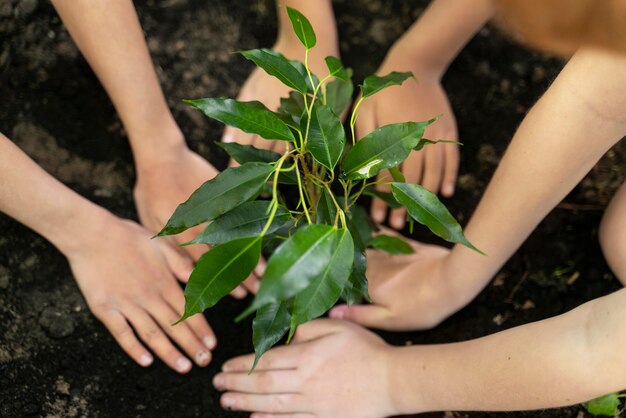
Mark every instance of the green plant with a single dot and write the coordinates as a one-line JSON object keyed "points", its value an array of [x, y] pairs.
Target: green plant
{"points": [[607, 405], [319, 232]]}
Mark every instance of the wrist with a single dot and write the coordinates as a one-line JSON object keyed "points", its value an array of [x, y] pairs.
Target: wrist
{"points": [[153, 145], [86, 224], [406, 55], [407, 392]]}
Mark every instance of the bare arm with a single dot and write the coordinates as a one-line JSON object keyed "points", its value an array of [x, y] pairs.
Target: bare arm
{"points": [[126, 279]]}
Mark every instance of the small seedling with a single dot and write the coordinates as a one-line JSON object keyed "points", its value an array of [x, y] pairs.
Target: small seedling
{"points": [[321, 231]]}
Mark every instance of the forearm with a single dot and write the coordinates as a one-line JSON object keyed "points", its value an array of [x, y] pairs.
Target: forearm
{"points": [[34, 198], [441, 32], [564, 135], [109, 35], [560, 361]]}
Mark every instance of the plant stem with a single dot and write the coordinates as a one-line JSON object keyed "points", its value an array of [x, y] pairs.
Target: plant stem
{"points": [[302, 200], [353, 118], [340, 212]]}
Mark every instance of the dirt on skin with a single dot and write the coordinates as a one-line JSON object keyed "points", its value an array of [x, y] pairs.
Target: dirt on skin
{"points": [[57, 360]]}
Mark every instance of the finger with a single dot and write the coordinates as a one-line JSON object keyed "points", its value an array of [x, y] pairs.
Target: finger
{"points": [[151, 334], [367, 315], [228, 136], [397, 218], [259, 381], [283, 357], [179, 262], [451, 169], [239, 292], [125, 337], [379, 207], [277, 403], [317, 329], [198, 323], [433, 168], [181, 333], [252, 284]]}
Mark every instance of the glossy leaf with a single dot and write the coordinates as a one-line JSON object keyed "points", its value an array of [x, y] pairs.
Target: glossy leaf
{"points": [[326, 211], [373, 84], [246, 220], [391, 245], [293, 106], [607, 405], [294, 264], [325, 289], [250, 117], [361, 226], [336, 69], [339, 94], [275, 64], [269, 326], [302, 28], [248, 153], [356, 287], [384, 196], [227, 190], [327, 137], [382, 148], [218, 272], [425, 208]]}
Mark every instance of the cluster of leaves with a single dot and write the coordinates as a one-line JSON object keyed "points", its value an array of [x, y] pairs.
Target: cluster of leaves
{"points": [[324, 234]]}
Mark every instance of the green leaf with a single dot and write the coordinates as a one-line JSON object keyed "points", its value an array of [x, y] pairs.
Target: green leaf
{"points": [[361, 226], [356, 288], [294, 264], [391, 245], [275, 64], [373, 84], [326, 211], [339, 94], [325, 290], [250, 117], [248, 154], [218, 272], [327, 137], [384, 196], [269, 326], [336, 69], [302, 28], [605, 405], [293, 106], [246, 220], [311, 82], [382, 148], [425, 208], [227, 190]]}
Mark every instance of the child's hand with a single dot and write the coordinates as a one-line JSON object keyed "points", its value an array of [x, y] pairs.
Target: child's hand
{"points": [[332, 369], [129, 283], [409, 292], [161, 187], [436, 166]]}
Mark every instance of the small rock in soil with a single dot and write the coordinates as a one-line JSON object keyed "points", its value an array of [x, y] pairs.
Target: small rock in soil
{"points": [[56, 324], [487, 155], [6, 10], [4, 278]]}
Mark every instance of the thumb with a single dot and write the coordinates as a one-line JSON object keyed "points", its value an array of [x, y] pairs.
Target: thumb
{"points": [[373, 316], [180, 264]]}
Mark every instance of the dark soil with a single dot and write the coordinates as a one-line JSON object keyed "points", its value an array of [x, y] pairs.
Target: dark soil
{"points": [[56, 360]]}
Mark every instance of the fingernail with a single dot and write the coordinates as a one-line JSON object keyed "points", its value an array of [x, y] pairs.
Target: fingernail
{"points": [[145, 359], [337, 313], [379, 215], [255, 287], [218, 381], [260, 269], [228, 138], [397, 222], [183, 365], [227, 367], [209, 342], [228, 402], [203, 357], [448, 189]]}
